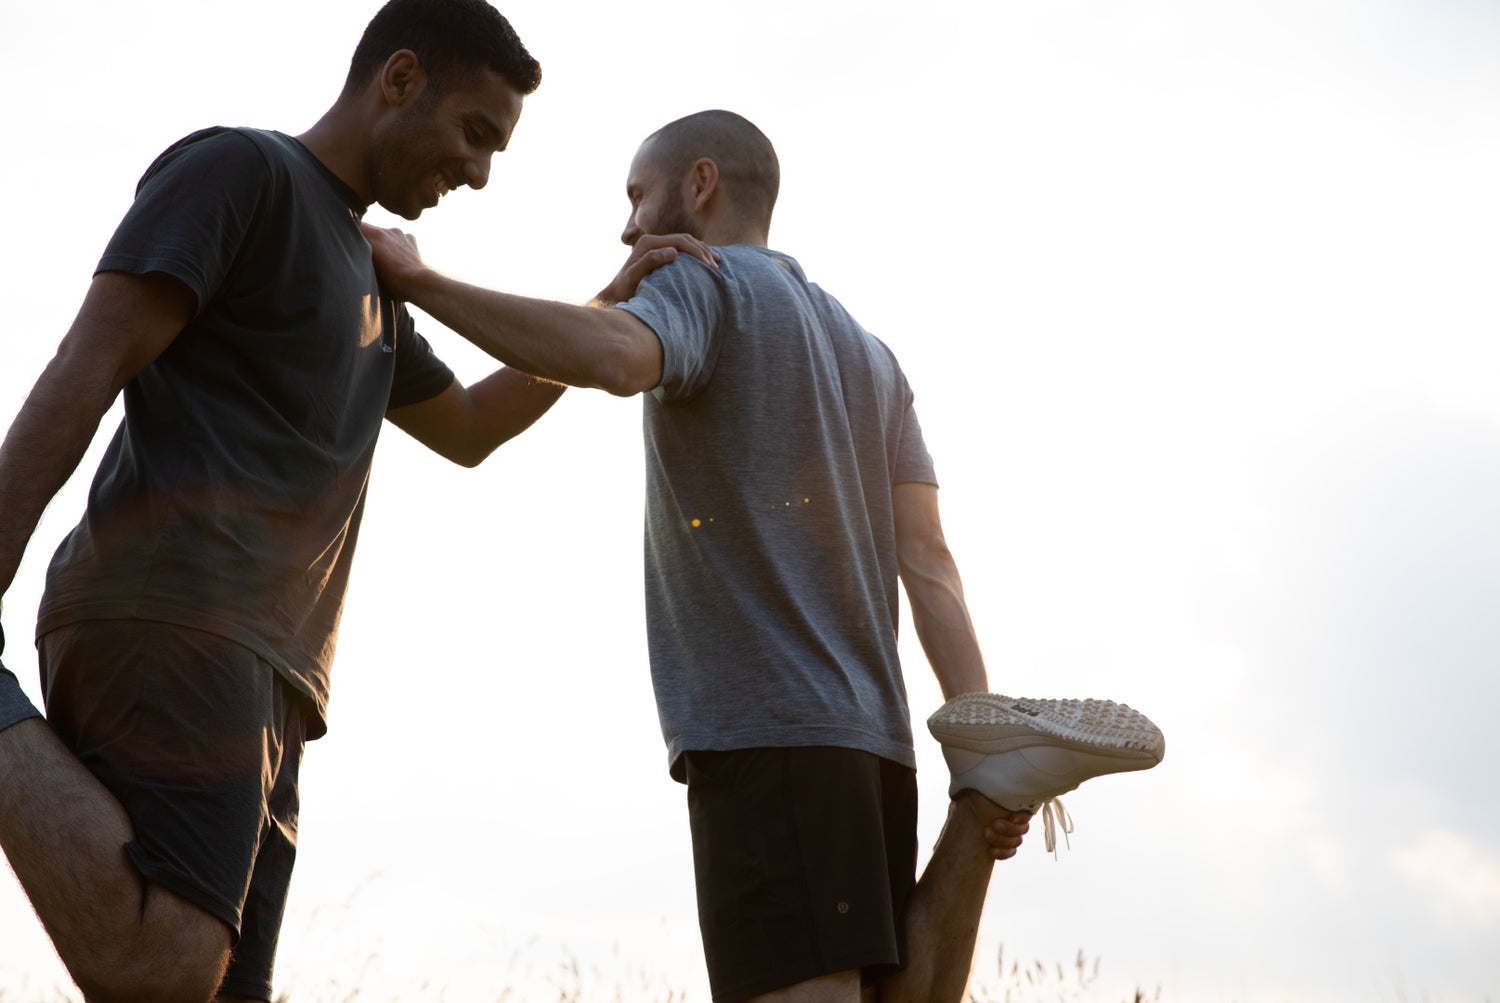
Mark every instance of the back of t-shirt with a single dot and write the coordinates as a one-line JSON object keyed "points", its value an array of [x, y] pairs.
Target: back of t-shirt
{"points": [[771, 445]]}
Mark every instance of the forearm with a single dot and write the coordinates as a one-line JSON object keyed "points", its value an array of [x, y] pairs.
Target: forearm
{"points": [[508, 402], [579, 346], [935, 591], [945, 629], [44, 446], [467, 424]]}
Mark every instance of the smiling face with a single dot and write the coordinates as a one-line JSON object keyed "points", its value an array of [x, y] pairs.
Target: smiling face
{"points": [[659, 202], [440, 139]]}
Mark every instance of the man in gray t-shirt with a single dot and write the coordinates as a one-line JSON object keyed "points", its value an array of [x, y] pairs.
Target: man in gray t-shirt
{"points": [[773, 440], [788, 492]]}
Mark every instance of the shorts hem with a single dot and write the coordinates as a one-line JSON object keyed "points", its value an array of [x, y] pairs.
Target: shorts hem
{"points": [[882, 961], [254, 990], [183, 887]]}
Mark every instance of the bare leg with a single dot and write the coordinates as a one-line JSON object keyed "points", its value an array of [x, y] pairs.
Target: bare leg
{"points": [[64, 834], [842, 987], [942, 917]]}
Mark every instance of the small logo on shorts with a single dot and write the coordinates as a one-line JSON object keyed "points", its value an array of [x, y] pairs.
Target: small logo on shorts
{"points": [[842, 907]]}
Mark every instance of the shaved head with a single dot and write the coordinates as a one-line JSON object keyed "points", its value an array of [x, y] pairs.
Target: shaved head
{"points": [[745, 157]]}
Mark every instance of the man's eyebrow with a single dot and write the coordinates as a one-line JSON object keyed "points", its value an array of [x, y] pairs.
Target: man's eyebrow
{"points": [[489, 127]]}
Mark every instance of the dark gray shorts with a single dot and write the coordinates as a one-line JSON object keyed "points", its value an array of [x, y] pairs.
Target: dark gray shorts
{"points": [[805, 859], [200, 740]]}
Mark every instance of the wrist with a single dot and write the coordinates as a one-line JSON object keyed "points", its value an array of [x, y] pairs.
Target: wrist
{"points": [[421, 282]]}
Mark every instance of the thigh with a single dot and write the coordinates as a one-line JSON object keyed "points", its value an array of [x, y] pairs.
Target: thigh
{"points": [[843, 987], [189, 731], [797, 870]]}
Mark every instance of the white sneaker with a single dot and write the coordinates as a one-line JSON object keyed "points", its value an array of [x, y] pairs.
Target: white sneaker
{"points": [[1022, 754]]}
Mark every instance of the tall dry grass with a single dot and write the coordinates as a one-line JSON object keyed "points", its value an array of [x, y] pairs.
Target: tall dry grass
{"points": [[1004, 980]]}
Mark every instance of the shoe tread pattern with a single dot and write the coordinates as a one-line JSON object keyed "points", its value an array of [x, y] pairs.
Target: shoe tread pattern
{"points": [[977, 720]]}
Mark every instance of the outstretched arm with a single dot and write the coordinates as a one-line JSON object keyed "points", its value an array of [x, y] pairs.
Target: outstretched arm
{"points": [[947, 634], [938, 609], [580, 346], [125, 322], [467, 424]]}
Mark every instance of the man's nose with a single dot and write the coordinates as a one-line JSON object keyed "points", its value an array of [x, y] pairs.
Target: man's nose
{"points": [[477, 172]]}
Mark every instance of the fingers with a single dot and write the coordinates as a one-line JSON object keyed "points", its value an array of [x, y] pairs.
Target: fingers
{"points": [[649, 253], [647, 263], [684, 242], [385, 235], [1004, 834]]}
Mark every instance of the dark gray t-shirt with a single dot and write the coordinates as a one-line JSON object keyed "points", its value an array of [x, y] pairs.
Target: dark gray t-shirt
{"points": [[772, 444], [230, 497]]}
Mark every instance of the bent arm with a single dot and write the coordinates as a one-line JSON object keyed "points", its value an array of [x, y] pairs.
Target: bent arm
{"points": [[467, 424], [938, 609], [125, 322]]}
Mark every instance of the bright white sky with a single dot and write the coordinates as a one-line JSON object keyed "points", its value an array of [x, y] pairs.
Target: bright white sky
{"points": [[1200, 304]]}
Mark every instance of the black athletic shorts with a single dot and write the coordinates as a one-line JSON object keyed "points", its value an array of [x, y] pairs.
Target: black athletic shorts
{"points": [[805, 859], [200, 740]]}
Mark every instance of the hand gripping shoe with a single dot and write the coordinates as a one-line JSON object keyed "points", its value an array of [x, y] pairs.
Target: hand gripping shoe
{"points": [[1022, 754]]}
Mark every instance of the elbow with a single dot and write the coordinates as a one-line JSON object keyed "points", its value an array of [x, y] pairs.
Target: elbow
{"points": [[924, 557], [473, 449], [470, 460], [621, 371], [627, 360], [625, 385], [469, 456]]}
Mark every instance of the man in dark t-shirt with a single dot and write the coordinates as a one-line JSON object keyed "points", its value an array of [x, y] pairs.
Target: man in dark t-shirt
{"points": [[189, 620]]}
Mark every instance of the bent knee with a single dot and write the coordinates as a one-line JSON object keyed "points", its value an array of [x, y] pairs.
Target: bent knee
{"points": [[170, 978], [177, 954]]}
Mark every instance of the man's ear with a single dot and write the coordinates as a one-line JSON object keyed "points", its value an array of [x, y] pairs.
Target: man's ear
{"points": [[703, 180], [402, 78]]}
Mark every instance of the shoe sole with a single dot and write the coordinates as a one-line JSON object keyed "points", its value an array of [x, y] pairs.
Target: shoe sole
{"points": [[991, 723]]}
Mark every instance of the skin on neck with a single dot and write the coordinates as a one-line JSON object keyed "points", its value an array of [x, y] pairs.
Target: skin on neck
{"points": [[343, 138], [713, 209]]}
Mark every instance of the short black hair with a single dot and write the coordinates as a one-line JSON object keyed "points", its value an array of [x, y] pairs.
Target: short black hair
{"points": [[450, 38], [745, 157]]}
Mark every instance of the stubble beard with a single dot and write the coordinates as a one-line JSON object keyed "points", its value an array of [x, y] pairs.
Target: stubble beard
{"points": [[678, 220]]}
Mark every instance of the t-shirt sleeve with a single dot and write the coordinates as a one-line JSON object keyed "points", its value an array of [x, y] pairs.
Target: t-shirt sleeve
{"points": [[420, 374], [193, 209], [683, 302], [913, 461]]}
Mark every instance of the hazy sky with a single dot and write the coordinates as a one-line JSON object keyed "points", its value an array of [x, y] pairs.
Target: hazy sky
{"points": [[1199, 301]]}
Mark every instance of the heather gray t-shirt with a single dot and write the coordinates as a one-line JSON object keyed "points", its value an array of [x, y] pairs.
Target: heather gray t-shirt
{"points": [[772, 444], [230, 498]]}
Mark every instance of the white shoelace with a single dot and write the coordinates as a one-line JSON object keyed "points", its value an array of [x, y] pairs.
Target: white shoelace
{"points": [[1053, 816]]}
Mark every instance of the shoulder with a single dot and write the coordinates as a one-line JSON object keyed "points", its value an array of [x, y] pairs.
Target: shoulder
{"points": [[210, 154], [216, 141], [748, 260], [683, 283]]}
